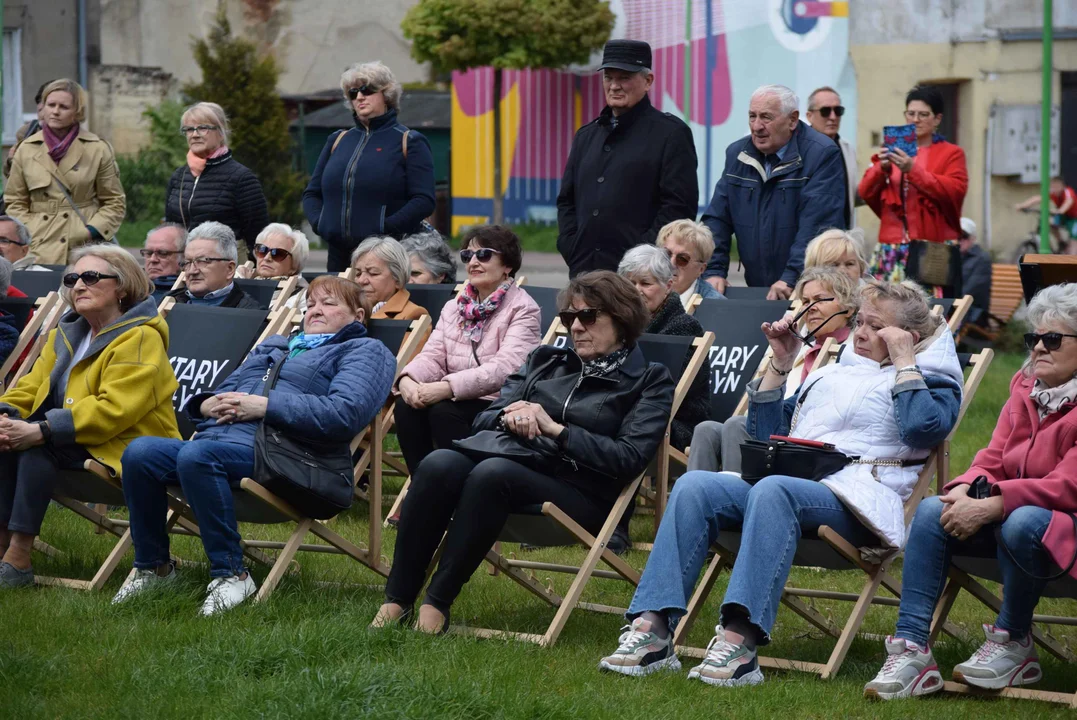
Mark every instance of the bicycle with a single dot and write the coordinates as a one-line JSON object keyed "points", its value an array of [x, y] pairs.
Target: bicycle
{"points": [[1030, 244]]}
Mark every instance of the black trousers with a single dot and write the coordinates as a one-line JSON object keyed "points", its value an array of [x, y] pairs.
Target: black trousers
{"points": [[339, 257], [421, 432], [471, 501], [27, 479]]}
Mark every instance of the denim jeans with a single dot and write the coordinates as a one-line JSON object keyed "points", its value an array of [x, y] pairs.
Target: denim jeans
{"points": [[927, 561], [206, 470], [771, 515]]}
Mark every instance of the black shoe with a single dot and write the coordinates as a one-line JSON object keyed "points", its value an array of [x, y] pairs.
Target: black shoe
{"points": [[620, 542]]}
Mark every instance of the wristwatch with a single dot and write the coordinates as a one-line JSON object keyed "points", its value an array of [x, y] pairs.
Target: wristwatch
{"points": [[46, 431]]}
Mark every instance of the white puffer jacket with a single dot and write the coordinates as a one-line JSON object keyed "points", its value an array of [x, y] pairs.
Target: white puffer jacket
{"points": [[851, 405]]}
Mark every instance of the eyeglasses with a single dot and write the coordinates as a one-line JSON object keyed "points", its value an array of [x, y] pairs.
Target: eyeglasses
{"points": [[482, 255], [586, 316], [681, 259], [5, 241], [278, 254], [364, 90], [158, 253], [90, 277], [1051, 341], [201, 262], [809, 338], [838, 110], [921, 115], [200, 129]]}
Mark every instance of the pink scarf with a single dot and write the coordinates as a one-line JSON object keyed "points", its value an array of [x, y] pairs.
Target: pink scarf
{"points": [[58, 146], [197, 164], [474, 312]]}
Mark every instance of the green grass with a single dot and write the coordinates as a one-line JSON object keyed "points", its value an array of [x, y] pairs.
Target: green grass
{"points": [[307, 652], [132, 233]]}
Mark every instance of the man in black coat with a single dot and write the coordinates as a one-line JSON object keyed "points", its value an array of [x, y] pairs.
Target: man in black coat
{"points": [[975, 273], [629, 172]]}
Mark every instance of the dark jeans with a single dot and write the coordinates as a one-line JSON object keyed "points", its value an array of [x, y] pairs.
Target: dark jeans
{"points": [[421, 432], [27, 479], [471, 501]]}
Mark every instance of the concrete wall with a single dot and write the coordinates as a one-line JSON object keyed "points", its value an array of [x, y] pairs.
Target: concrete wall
{"points": [[49, 42], [120, 94], [887, 22]]}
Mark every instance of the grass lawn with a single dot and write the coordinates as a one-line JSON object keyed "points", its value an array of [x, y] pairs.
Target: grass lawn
{"points": [[307, 652]]}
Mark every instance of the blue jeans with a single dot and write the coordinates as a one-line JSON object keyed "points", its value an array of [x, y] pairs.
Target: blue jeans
{"points": [[927, 562], [771, 515], [206, 470]]}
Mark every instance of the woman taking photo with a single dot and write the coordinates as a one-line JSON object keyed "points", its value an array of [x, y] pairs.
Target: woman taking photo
{"points": [[587, 421], [213, 185], [374, 179], [334, 379], [887, 403], [1015, 503], [64, 183], [103, 380]]}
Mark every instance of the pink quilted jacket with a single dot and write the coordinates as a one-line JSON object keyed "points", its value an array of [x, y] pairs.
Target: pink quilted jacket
{"points": [[510, 334]]}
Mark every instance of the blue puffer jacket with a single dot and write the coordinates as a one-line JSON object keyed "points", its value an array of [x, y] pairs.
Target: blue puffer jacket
{"points": [[329, 393]]}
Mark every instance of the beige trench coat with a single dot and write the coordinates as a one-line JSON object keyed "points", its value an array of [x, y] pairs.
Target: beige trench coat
{"points": [[89, 173]]}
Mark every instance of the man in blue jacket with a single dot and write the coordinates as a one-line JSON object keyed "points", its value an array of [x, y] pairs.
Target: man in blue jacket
{"points": [[782, 186]]}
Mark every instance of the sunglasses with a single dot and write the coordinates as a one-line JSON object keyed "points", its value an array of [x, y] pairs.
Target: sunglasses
{"points": [[587, 317], [277, 254], [90, 277], [1051, 341], [483, 255], [364, 90], [809, 337], [838, 110], [681, 259], [158, 253]]}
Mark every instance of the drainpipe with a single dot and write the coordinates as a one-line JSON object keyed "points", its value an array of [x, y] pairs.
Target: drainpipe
{"points": [[989, 141], [83, 72]]}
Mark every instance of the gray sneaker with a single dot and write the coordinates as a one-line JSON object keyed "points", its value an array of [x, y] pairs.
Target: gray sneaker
{"points": [[1001, 662], [641, 652], [909, 671], [143, 581], [727, 664], [12, 577]]}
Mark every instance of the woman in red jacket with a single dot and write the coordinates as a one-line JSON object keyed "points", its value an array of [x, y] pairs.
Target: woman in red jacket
{"points": [[1029, 470], [916, 197]]}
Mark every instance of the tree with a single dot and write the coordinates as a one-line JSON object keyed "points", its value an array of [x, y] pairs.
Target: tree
{"points": [[245, 85], [145, 174], [505, 34]]}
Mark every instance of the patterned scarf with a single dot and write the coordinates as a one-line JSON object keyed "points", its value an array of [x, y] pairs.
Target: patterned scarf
{"points": [[303, 342], [1051, 399], [606, 364], [58, 146], [474, 312], [198, 164]]}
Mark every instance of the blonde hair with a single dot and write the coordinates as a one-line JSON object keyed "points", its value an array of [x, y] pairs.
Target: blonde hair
{"points": [[134, 284], [374, 73], [696, 234], [213, 111], [78, 94], [830, 246], [839, 284], [911, 310]]}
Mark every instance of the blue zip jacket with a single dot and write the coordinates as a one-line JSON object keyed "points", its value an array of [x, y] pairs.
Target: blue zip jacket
{"points": [[328, 393], [774, 218], [366, 187]]}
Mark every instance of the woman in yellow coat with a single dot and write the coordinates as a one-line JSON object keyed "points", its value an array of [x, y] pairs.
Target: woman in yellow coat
{"points": [[103, 379], [64, 183]]}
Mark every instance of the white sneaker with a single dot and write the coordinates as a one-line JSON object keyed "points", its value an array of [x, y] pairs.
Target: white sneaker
{"points": [[641, 652], [142, 582], [1001, 662], [227, 592], [909, 671]]}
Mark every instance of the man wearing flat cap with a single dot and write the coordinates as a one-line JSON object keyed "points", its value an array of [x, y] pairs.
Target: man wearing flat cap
{"points": [[629, 172]]}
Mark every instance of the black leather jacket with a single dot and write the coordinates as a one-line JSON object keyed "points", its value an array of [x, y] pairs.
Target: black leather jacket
{"points": [[615, 422]]}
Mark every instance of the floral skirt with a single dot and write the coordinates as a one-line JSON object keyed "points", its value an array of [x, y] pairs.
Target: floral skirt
{"points": [[888, 264]]}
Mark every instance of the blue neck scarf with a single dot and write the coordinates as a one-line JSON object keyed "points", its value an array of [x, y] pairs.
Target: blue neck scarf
{"points": [[303, 342]]}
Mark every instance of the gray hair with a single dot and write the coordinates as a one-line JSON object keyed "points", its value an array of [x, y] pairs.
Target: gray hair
{"points": [[134, 284], [823, 89], [181, 233], [300, 243], [6, 269], [374, 73], [220, 234], [214, 112], [786, 97], [1052, 305], [21, 231], [909, 301], [389, 251], [840, 285], [433, 252], [646, 260]]}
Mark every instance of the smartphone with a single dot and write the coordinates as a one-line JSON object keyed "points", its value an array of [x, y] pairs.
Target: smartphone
{"points": [[900, 136]]}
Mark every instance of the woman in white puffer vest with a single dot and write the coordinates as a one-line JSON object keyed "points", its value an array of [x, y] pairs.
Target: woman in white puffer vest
{"points": [[891, 397]]}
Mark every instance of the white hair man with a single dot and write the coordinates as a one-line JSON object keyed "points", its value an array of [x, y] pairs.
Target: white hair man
{"points": [[209, 264], [782, 185], [824, 114]]}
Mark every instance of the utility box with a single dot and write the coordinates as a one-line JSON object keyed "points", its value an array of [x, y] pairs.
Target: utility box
{"points": [[1015, 146]]}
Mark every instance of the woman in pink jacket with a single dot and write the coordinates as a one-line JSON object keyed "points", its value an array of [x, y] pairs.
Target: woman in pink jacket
{"points": [[483, 336], [1016, 502]]}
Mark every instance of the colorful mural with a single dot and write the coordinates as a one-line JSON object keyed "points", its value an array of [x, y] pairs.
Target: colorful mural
{"points": [[709, 55]]}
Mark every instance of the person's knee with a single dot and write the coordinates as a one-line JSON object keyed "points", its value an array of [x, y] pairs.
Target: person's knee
{"points": [[193, 457], [773, 488], [442, 411], [928, 513], [441, 467], [139, 453], [708, 432], [695, 488], [492, 475], [1025, 527]]}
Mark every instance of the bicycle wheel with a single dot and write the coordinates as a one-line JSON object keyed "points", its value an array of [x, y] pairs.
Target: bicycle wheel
{"points": [[1027, 247]]}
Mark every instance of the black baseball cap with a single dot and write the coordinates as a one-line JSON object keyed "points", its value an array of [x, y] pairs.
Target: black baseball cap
{"points": [[628, 55]]}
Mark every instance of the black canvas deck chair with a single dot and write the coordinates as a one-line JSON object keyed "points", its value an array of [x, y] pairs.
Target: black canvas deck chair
{"points": [[38, 284], [269, 294], [433, 297], [735, 292], [546, 299], [830, 551]]}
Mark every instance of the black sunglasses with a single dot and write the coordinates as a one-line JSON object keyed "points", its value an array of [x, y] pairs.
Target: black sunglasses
{"points": [[587, 317], [1051, 340], [483, 254], [90, 277], [260, 251], [809, 337], [838, 110], [364, 90]]}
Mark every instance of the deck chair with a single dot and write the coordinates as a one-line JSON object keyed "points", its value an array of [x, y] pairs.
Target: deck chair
{"points": [[38, 284], [548, 525], [1040, 271], [953, 309], [546, 299], [433, 297], [736, 292], [693, 303], [1006, 296], [268, 294], [830, 551], [46, 315]]}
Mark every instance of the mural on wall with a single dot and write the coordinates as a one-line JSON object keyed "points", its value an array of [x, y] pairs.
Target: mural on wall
{"points": [[709, 55]]}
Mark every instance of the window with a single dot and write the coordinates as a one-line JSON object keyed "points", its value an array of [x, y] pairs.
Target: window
{"points": [[12, 84]]}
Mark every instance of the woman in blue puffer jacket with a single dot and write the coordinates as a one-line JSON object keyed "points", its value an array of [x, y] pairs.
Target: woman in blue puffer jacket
{"points": [[334, 381]]}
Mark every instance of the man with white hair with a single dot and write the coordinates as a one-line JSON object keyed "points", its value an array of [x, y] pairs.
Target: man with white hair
{"points": [[975, 273], [162, 255], [209, 263], [782, 185]]}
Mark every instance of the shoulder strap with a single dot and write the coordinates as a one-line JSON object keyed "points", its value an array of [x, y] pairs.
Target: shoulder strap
{"points": [[70, 200], [404, 144], [800, 403], [272, 373], [340, 136]]}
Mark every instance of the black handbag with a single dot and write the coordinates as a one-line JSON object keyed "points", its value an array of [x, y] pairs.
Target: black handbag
{"points": [[785, 456], [316, 478]]}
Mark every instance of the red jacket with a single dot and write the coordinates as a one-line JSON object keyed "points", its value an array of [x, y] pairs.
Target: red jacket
{"points": [[1029, 463], [933, 201]]}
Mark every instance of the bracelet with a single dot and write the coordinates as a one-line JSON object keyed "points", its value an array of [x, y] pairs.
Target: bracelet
{"points": [[909, 368], [780, 373]]}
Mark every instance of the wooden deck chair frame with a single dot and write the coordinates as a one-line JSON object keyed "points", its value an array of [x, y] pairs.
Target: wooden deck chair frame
{"points": [[47, 311], [841, 555]]}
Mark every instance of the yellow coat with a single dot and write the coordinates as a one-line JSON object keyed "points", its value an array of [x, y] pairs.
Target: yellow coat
{"points": [[89, 173], [122, 389]]}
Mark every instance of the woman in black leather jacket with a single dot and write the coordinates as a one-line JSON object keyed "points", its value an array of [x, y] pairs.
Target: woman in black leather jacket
{"points": [[570, 427]]}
